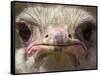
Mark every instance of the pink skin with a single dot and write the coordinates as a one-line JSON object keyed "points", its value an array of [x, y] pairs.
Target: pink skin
{"points": [[37, 47]]}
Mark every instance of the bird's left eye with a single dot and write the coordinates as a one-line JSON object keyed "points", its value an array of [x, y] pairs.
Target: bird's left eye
{"points": [[87, 31], [84, 31]]}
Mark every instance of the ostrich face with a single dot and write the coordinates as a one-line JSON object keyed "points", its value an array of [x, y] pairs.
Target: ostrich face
{"points": [[56, 38]]}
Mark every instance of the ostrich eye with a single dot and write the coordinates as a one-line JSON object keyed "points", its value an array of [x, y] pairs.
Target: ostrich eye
{"points": [[24, 31], [87, 30], [84, 31]]}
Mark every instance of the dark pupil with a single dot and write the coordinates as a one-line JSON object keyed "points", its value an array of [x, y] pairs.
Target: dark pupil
{"points": [[24, 32], [87, 32]]}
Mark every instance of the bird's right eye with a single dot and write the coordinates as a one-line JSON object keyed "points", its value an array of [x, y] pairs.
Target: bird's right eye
{"points": [[24, 31]]}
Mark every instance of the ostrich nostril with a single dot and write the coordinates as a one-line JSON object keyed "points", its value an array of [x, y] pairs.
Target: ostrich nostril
{"points": [[69, 35], [46, 36]]}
